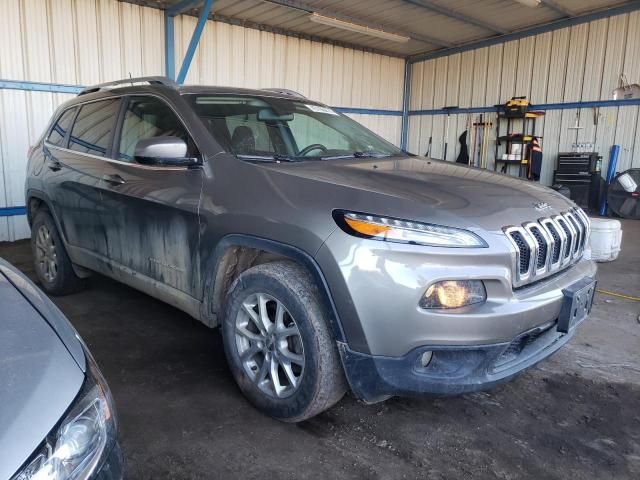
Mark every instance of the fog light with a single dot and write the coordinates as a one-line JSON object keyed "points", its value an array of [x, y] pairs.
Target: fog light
{"points": [[454, 294], [425, 359]]}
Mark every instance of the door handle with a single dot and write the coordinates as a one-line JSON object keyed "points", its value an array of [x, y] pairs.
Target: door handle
{"points": [[54, 165], [114, 179]]}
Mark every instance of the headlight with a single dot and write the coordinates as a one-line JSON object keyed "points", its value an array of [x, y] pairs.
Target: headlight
{"points": [[404, 231], [454, 294], [79, 444]]}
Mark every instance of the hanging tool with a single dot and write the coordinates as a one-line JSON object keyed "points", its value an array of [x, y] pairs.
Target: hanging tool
{"points": [[429, 147], [474, 131], [485, 142], [446, 130], [577, 125]]}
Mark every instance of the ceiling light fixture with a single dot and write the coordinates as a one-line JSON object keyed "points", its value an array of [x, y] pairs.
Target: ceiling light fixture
{"points": [[529, 3], [354, 27]]}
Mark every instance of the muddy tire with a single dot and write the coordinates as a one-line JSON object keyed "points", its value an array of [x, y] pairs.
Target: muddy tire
{"points": [[278, 343], [51, 262]]}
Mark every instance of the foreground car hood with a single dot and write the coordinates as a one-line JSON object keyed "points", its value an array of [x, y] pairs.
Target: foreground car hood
{"points": [[428, 189], [39, 378]]}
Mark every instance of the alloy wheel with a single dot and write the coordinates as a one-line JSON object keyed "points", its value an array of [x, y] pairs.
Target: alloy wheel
{"points": [[269, 345], [46, 256]]}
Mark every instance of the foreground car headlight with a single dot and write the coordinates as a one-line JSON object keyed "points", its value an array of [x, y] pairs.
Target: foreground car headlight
{"points": [[404, 231], [454, 294], [82, 440]]}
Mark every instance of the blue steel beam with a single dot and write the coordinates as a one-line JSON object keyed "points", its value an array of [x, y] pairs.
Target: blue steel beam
{"points": [[195, 40], [39, 87], [539, 106], [169, 47], [169, 34], [12, 211]]}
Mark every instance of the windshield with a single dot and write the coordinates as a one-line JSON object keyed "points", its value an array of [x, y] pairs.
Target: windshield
{"points": [[264, 128]]}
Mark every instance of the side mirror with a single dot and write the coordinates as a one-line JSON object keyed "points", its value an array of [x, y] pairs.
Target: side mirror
{"points": [[167, 150]]}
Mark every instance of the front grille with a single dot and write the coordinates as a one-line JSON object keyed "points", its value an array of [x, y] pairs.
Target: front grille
{"points": [[542, 247], [524, 249], [547, 245], [557, 241]]}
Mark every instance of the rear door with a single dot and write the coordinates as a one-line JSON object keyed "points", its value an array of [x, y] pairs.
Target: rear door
{"points": [[75, 152], [151, 212]]}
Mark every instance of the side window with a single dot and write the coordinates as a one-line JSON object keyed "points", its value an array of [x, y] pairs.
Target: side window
{"points": [[58, 133], [148, 117], [94, 125]]}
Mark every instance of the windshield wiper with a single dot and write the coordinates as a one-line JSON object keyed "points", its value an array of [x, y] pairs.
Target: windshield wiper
{"points": [[359, 154], [269, 158]]}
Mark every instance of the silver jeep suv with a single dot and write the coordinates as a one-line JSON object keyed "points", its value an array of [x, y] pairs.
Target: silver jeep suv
{"points": [[329, 258]]}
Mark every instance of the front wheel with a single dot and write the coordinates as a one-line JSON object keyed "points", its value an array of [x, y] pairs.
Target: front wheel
{"points": [[278, 344]]}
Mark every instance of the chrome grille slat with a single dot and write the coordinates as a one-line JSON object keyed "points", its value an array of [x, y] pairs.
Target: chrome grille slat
{"points": [[547, 245]]}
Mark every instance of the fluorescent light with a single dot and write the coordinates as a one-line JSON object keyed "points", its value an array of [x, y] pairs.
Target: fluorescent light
{"points": [[353, 27], [529, 3]]}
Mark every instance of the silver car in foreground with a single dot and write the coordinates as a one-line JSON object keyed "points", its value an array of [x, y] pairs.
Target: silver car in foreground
{"points": [[57, 419]]}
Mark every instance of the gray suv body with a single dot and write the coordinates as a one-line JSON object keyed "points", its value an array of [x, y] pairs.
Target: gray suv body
{"points": [[330, 258], [57, 418]]}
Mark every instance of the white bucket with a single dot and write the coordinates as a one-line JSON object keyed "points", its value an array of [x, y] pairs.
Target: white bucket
{"points": [[606, 239]]}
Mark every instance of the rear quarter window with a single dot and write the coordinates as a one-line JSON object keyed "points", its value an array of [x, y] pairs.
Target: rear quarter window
{"points": [[58, 134], [93, 129]]}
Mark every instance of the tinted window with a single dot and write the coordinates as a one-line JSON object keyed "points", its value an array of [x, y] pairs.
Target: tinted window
{"points": [[59, 131], [93, 128], [148, 117]]}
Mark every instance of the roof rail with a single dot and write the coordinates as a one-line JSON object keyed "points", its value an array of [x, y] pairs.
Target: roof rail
{"points": [[130, 82], [285, 91]]}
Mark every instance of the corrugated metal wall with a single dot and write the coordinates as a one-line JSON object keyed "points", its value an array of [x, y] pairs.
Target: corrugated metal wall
{"points": [[580, 63], [337, 76], [83, 42], [79, 42]]}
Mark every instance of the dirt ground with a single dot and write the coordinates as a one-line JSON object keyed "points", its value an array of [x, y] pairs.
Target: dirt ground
{"points": [[575, 415]]}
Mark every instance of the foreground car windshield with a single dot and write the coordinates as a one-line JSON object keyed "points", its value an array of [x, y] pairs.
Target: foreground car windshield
{"points": [[275, 128]]}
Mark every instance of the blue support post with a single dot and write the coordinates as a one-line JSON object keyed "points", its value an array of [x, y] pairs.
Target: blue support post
{"points": [[406, 99], [169, 36], [169, 47], [195, 40]]}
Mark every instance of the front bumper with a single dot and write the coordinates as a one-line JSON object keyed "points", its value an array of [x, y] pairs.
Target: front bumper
{"points": [[452, 370]]}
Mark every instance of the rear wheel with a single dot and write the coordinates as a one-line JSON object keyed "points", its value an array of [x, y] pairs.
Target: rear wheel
{"points": [[52, 264], [278, 344]]}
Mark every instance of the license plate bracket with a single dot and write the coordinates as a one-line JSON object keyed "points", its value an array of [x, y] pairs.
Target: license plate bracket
{"points": [[577, 303]]}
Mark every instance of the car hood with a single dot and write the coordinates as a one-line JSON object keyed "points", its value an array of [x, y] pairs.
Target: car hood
{"points": [[431, 190], [39, 377]]}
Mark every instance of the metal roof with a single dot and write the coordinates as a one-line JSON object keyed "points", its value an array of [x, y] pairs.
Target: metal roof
{"points": [[431, 25]]}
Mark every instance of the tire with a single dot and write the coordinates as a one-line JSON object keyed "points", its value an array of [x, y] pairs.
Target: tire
{"points": [[319, 382], [51, 262]]}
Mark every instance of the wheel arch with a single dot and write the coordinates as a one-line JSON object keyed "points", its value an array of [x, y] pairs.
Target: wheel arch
{"points": [[236, 253]]}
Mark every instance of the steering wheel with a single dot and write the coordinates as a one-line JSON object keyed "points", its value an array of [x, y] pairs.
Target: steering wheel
{"points": [[311, 148]]}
